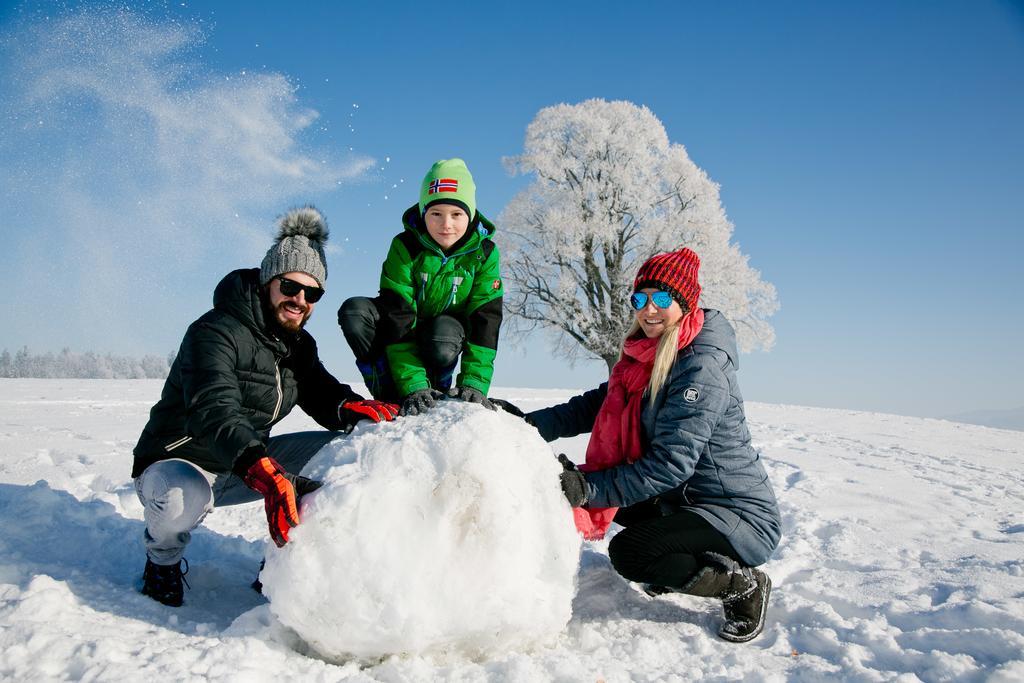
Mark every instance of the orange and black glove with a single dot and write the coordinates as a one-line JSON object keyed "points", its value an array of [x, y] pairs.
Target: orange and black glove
{"points": [[351, 412], [281, 494]]}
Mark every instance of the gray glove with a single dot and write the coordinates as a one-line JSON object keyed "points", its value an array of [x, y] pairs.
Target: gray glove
{"points": [[470, 395], [574, 484], [509, 408], [420, 401]]}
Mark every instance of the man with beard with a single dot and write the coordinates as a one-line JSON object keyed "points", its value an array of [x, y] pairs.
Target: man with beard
{"points": [[241, 368]]}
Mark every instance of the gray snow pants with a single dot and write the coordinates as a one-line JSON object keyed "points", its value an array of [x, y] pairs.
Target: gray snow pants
{"points": [[176, 495]]}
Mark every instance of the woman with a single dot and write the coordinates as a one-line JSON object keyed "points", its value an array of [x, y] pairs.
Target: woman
{"points": [[669, 456]]}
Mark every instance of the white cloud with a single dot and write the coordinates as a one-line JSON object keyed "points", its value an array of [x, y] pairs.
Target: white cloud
{"points": [[142, 163]]}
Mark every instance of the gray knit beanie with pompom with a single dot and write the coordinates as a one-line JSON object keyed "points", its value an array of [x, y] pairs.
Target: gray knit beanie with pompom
{"points": [[299, 247]]}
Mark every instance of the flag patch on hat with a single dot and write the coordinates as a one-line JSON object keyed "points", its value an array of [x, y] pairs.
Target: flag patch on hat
{"points": [[443, 185], [690, 395]]}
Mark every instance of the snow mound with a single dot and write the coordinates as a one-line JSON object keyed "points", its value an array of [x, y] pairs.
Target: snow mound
{"points": [[433, 534]]}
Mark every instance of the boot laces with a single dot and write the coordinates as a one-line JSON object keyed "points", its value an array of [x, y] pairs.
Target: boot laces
{"points": [[165, 576]]}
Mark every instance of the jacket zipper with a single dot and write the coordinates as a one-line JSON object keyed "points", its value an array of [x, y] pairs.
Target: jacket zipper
{"points": [[423, 286], [444, 260], [456, 281], [280, 394], [175, 444]]}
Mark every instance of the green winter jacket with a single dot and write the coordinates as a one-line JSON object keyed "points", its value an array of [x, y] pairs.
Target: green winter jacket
{"points": [[420, 282]]}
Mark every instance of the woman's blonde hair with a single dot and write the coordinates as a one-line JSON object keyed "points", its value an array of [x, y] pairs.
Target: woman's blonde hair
{"points": [[664, 356]]}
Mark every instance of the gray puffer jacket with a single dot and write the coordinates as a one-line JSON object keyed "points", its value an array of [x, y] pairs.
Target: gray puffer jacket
{"points": [[697, 452]]}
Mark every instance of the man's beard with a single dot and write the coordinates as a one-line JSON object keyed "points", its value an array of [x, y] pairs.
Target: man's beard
{"points": [[287, 324]]}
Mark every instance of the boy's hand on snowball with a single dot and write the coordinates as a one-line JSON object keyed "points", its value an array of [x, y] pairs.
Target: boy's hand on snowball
{"points": [[471, 395], [420, 401]]}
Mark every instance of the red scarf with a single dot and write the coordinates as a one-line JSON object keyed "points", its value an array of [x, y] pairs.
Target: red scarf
{"points": [[615, 438]]}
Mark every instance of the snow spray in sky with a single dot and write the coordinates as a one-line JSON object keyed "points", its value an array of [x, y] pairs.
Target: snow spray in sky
{"points": [[439, 533], [155, 171]]}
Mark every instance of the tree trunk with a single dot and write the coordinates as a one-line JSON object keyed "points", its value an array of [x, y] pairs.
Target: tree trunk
{"points": [[610, 361]]}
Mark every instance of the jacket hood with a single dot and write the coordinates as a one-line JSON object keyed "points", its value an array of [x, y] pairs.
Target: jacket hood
{"points": [[238, 295], [480, 228], [717, 333]]}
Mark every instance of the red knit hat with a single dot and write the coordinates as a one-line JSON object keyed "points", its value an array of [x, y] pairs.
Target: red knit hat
{"points": [[676, 273]]}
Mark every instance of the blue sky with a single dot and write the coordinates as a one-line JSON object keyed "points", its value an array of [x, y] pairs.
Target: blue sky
{"points": [[869, 155]]}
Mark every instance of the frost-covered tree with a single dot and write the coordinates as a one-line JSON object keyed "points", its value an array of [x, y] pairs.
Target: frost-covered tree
{"points": [[88, 365], [610, 191]]}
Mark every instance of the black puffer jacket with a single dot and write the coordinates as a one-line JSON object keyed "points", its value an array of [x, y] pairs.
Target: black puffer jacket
{"points": [[232, 380]]}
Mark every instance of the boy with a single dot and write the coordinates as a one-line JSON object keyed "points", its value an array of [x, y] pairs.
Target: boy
{"points": [[440, 295]]}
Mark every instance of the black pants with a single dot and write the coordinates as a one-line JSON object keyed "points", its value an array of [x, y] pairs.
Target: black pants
{"points": [[663, 549], [439, 340]]}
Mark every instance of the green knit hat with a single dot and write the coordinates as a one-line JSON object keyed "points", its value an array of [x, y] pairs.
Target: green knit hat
{"points": [[449, 182]]}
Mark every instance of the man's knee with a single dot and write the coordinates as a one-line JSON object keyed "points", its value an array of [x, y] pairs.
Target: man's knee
{"points": [[176, 496]]}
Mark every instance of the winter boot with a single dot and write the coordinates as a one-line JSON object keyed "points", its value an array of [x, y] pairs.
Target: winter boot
{"points": [[163, 582], [744, 616], [743, 591], [656, 589], [377, 378]]}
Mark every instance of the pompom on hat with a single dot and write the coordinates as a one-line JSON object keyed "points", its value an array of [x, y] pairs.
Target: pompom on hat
{"points": [[299, 248], [449, 182], [676, 273]]}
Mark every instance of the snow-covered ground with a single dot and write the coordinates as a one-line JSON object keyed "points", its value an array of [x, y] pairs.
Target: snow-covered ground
{"points": [[903, 559]]}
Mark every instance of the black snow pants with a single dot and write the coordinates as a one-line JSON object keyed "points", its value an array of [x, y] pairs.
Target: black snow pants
{"points": [[661, 549], [439, 342]]}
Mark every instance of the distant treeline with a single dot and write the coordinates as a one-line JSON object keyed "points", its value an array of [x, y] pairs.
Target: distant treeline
{"points": [[89, 365]]}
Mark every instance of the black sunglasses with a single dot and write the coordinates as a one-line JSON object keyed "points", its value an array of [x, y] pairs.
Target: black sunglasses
{"points": [[292, 288], [660, 299]]}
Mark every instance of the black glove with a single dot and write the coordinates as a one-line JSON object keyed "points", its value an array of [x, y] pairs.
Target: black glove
{"points": [[471, 395], [420, 401], [303, 485], [574, 484], [509, 408]]}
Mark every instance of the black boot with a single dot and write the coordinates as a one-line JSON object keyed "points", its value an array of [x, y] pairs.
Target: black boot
{"points": [[743, 591], [163, 582], [744, 615], [656, 589]]}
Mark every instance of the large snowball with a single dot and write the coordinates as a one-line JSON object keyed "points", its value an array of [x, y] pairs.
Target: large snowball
{"points": [[439, 533]]}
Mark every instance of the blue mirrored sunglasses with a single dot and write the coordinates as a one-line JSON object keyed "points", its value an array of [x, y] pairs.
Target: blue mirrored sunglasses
{"points": [[660, 299]]}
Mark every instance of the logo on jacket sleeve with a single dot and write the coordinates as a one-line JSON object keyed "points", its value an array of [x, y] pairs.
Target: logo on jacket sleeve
{"points": [[496, 284], [690, 395]]}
